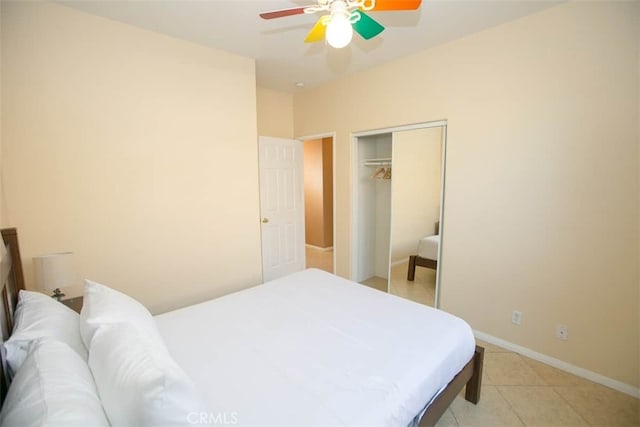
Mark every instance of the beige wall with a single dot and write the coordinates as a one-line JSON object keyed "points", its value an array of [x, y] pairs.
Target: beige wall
{"points": [[275, 113], [541, 208], [134, 150], [327, 190], [2, 203], [415, 189], [313, 193]]}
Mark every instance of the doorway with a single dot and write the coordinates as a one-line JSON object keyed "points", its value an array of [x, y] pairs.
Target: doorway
{"points": [[319, 202], [398, 202], [281, 206]]}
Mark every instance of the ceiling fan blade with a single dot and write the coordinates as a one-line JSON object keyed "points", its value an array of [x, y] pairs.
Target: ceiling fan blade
{"points": [[396, 5], [317, 32], [282, 13], [366, 26]]}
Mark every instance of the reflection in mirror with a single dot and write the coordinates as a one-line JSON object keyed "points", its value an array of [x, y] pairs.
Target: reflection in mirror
{"points": [[415, 205]]}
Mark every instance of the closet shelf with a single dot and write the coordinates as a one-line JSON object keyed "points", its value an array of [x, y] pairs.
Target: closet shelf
{"points": [[377, 162]]}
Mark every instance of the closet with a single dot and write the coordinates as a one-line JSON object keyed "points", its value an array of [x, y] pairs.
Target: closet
{"points": [[398, 199], [374, 206]]}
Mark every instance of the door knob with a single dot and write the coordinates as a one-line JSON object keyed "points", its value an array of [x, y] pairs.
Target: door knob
{"points": [[265, 220]]}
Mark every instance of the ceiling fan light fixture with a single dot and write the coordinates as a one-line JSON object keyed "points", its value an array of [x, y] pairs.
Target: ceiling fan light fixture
{"points": [[339, 30], [344, 17]]}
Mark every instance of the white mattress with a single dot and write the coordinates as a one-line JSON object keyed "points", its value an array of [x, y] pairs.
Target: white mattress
{"points": [[428, 247], [315, 349]]}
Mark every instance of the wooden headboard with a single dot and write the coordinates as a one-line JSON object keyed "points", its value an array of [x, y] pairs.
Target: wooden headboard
{"points": [[11, 281]]}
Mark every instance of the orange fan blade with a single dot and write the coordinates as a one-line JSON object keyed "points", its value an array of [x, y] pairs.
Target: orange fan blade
{"points": [[317, 32], [395, 5]]}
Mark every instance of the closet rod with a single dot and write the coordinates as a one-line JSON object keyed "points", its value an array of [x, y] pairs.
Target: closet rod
{"points": [[377, 162]]}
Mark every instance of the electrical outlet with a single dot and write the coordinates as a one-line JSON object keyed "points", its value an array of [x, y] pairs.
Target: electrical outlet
{"points": [[562, 332], [516, 317]]}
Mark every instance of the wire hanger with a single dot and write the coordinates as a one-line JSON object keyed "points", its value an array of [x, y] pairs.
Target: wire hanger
{"points": [[382, 173], [379, 173]]}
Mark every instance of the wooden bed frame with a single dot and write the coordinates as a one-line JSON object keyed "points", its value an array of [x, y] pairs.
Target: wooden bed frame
{"points": [[470, 377], [417, 260], [12, 280]]}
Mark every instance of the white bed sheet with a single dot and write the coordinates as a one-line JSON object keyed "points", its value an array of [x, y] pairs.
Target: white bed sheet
{"points": [[428, 247], [313, 349]]}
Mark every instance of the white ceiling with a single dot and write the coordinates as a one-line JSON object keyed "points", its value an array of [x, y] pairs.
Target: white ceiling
{"points": [[282, 58]]}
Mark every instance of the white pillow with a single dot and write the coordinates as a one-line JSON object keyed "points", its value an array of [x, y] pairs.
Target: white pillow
{"points": [[138, 382], [40, 316], [105, 306], [53, 387]]}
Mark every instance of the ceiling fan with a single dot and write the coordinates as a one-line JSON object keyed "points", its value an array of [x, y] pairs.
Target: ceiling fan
{"points": [[344, 17]]}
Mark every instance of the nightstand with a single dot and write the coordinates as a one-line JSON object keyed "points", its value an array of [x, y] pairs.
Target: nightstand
{"points": [[74, 304]]}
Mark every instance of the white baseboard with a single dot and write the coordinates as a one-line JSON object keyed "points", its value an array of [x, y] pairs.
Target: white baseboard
{"points": [[564, 366], [402, 261], [318, 248]]}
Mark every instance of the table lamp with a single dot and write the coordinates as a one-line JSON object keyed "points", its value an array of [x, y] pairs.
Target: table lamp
{"points": [[54, 271]]}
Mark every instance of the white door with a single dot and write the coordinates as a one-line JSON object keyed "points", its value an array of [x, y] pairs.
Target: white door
{"points": [[281, 206]]}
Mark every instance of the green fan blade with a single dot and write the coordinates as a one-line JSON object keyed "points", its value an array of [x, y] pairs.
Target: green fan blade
{"points": [[366, 26]]}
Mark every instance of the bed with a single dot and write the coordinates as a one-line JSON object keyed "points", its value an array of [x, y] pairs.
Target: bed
{"points": [[307, 349], [427, 255], [12, 279]]}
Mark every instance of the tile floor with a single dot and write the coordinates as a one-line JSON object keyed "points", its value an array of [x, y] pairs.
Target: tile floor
{"points": [[518, 391], [422, 289]]}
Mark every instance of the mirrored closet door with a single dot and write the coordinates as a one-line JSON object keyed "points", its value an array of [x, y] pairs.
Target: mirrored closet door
{"points": [[398, 204]]}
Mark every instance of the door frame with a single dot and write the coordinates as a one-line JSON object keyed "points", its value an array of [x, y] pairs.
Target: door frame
{"points": [[331, 135], [354, 192]]}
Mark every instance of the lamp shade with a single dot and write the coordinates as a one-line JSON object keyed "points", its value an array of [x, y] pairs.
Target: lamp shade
{"points": [[54, 271]]}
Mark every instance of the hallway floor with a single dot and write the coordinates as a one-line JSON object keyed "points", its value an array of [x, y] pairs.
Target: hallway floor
{"points": [[319, 258]]}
